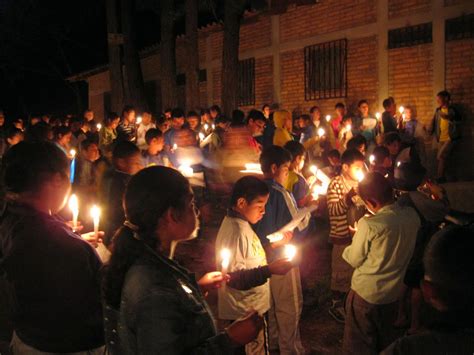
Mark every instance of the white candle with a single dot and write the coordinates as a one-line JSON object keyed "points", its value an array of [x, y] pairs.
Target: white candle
{"points": [[321, 132], [225, 260], [372, 159], [74, 207], [328, 118], [289, 251], [99, 126], [95, 214]]}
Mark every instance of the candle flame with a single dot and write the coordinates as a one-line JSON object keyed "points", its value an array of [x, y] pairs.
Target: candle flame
{"points": [[401, 109], [225, 256], [313, 169], [372, 159], [328, 118], [321, 132], [175, 146], [95, 212], [206, 126], [289, 251], [139, 119], [378, 115], [72, 153], [360, 175], [348, 127], [213, 126], [73, 203], [99, 126], [201, 136]]}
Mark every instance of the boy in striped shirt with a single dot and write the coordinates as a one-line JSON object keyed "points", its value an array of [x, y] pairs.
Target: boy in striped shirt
{"points": [[341, 195]]}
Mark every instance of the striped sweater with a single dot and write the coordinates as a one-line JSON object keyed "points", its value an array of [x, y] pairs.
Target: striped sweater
{"points": [[337, 208]]}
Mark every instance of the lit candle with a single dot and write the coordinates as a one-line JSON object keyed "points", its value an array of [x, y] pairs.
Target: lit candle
{"points": [[313, 169], [99, 126], [186, 170], [72, 153], [202, 136], [398, 164], [401, 109], [348, 127], [74, 207], [378, 115], [139, 119], [360, 175], [213, 126], [289, 251], [372, 159], [206, 127], [328, 118], [95, 214], [321, 132], [175, 146]]}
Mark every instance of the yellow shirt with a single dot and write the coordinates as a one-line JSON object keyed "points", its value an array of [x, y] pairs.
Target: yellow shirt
{"points": [[444, 127]]}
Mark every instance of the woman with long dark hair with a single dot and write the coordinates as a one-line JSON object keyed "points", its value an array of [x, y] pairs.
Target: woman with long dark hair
{"points": [[159, 306]]}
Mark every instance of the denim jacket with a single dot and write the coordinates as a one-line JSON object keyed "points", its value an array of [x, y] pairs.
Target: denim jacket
{"points": [[162, 311]]}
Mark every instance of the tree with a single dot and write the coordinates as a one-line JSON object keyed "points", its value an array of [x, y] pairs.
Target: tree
{"points": [[169, 96], [135, 88], [192, 54], [233, 12], [114, 40]]}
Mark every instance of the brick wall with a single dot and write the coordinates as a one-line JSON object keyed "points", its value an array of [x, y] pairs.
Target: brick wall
{"points": [[460, 83], [255, 34], [411, 79], [263, 83], [397, 8], [327, 16]]}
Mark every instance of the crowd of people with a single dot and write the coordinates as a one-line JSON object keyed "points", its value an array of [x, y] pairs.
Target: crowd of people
{"points": [[65, 290]]}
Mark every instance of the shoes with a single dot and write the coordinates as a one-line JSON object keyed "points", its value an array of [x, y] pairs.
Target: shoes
{"points": [[337, 311]]}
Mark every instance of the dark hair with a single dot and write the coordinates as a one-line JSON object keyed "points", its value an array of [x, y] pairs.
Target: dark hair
{"points": [[149, 194], [177, 113], [38, 133], [304, 117], [356, 141], [448, 264], [361, 102], [127, 109], [391, 137], [408, 176], [350, 156], [167, 110], [274, 155], [124, 149], [387, 103], [265, 105], [376, 187], [255, 115], [340, 105], [444, 94], [314, 108], [111, 116], [192, 114], [334, 154], [380, 153], [248, 187], [151, 134], [28, 164], [86, 143], [204, 111], [13, 131], [295, 148], [61, 131], [238, 117], [215, 108]]}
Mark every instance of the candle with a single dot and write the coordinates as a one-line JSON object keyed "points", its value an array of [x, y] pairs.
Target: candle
{"points": [[186, 170], [289, 251], [206, 127], [139, 119], [372, 159], [99, 126], [252, 168], [213, 126], [175, 146], [348, 127], [328, 118], [401, 109], [398, 164], [378, 115], [95, 214], [360, 175], [202, 136], [74, 207], [313, 169], [321, 132], [72, 153]]}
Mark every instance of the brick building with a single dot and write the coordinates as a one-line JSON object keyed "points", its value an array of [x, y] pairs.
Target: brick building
{"points": [[331, 51]]}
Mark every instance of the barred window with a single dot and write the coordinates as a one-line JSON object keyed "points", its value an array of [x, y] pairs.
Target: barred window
{"points": [[410, 36], [325, 70], [246, 82], [460, 27]]}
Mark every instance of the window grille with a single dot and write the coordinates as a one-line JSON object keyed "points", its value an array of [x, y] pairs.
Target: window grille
{"points": [[460, 27], [410, 36], [246, 82]]}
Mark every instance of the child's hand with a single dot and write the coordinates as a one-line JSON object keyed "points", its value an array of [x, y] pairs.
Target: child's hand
{"points": [[93, 238], [280, 266], [353, 230], [212, 280]]}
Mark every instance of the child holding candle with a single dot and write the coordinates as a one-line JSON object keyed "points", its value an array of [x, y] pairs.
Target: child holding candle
{"points": [[286, 291], [248, 287], [341, 195], [53, 272], [296, 183], [154, 154]]}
